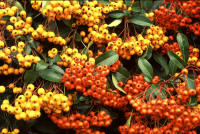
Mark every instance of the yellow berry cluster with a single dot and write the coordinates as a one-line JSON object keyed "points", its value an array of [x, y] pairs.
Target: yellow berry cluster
{"points": [[157, 36], [98, 34], [53, 102], [27, 60], [41, 33], [53, 52], [14, 131], [6, 70], [71, 57], [26, 106], [134, 45], [16, 90], [150, 15], [90, 13]]}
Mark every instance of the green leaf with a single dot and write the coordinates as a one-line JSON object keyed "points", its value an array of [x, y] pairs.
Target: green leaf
{"points": [[154, 90], [172, 68], [121, 74], [67, 23], [115, 23], [44, 4], [50, 75], [184, 45], [127, 3], [41, 65], [85, 50], [28, 49], [78, 37], [128, 122], [146, 4], [19, 5], [33, 43], [30, 76], [6, 18], [105, 2], [136, 7], [162, 61], [57, 69], [146, 68], [55, 59], [147, 55], [140, 19], [156, 4], [117, 14], [193, 101], [176, 60], [108, 58], [115, 82]]}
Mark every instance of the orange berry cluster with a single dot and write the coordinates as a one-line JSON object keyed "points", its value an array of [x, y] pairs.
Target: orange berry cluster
{"points": [[135, 86], [82, 123], [114, 67], [193, 52], [191, 8], [173, 108], [169, 19], [92, 81]]}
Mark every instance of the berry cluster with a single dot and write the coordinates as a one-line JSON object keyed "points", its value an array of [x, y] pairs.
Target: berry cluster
{"points": [[6, 131], [193, 52], [71, 57], [41, 33], [92, 81], [28, 105], [114, 67], [157, 36], [82, 123], [53, 52]]}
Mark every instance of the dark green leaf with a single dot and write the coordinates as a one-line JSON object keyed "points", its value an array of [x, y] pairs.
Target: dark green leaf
{"points": [[30, 76], [154, 91], [184, 45], [78, 37], [193, 101], [33, 43], [57, 69], [136, 7], [108, 58], [146, 68], [115, 82], [41, 65], [156, 4], [6, 18], [110, 112], [55, 59], [146, 4], [67, 23], [128, 3], [176, 60], [172, 68], [50, 75], [162, 61], [147, 55], [117, 14], [28, 49], [140, 19], [105, 2], [121, 74]]}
